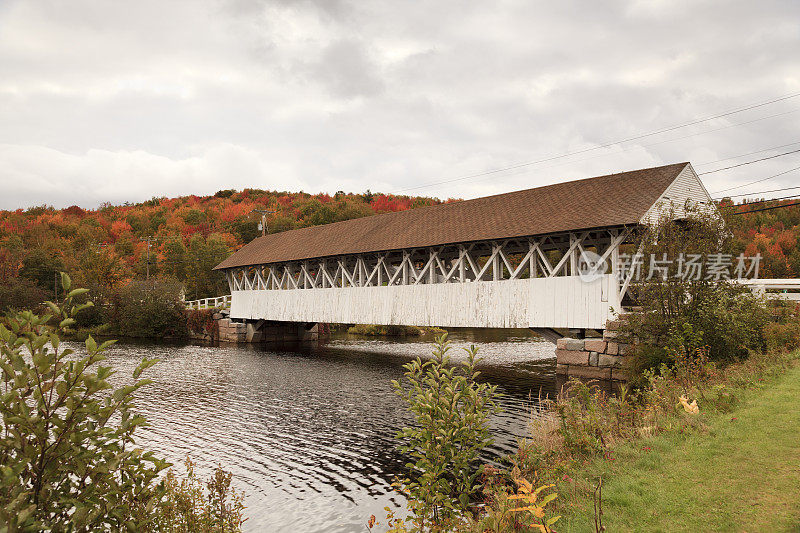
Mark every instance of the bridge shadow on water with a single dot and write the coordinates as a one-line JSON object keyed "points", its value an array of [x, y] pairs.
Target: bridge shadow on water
{"points": [[309, 435]]}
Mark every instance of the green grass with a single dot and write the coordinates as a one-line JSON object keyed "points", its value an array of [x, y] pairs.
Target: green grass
{"points": [[739, 472]]}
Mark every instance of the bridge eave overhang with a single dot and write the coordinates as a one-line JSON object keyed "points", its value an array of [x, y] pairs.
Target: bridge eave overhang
{"points": [[554, 240], [549, 255]]}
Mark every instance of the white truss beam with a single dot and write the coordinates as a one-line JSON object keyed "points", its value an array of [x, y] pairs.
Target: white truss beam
{"points": [[505, 259]]}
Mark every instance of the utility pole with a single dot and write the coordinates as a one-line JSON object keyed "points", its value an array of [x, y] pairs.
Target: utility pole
{"points": [[149, 240], [264, 214]]}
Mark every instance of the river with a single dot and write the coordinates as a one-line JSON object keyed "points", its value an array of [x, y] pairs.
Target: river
{"points": [[309, 437]]}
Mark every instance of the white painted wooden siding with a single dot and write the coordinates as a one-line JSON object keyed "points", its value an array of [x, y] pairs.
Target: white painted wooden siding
{"points": [[687, 186], [560, 302]]}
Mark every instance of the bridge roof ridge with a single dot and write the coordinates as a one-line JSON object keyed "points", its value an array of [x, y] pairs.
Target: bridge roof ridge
{"points": [[603, 201]]}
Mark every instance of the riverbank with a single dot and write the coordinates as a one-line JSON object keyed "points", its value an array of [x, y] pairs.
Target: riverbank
{"points": [[374, 330], [736, 471]]}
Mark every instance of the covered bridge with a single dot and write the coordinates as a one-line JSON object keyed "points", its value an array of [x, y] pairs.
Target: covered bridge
{"points": [[513, 260]]}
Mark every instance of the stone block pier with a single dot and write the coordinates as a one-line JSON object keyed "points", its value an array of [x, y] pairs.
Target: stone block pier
{"points": [[602, 358], [265, 332]]}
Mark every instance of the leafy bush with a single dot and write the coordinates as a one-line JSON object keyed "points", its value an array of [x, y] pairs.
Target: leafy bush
{"points": [[148, 309], [95, 316], [68, 460], [680, 314], [582, 421], [190, 505], [200, 320], [42, 267], [783, 332], [520, 510], [582, 411], [451, 411], [510, 507], [67, 449], [374, 330], [21, 293]]}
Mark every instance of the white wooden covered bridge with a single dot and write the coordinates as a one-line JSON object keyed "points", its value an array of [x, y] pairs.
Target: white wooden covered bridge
{"points": [[505, 261]]}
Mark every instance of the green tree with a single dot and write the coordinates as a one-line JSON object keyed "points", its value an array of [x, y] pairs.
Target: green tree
{"points": [[21, 293], [100, 265], [681, 314], [175, 258], [203, 255], [313, 213], [279, 223], [347, 210], [11, 252], [68, 458], [148, 309], [451, 412], [194, 217], [42, 267], [247, 230], [69, 461]]}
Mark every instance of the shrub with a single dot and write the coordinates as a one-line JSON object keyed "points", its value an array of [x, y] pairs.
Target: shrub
{"points": [[392, 331], [68, 459], [67, 449], [681, 314], [451, 410], [582, 421], [21, 293], [95, 316], [200, 320], [783, 332], [520, 510], [582, 411], [190, 505], [148, 309], [41, 267]]}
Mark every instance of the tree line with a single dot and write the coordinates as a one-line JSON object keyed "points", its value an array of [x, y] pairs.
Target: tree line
{"points": [[179, 240], [162, 239]]}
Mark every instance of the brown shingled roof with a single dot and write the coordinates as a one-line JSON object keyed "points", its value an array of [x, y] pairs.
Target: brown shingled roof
{"points": [[603, 201]]}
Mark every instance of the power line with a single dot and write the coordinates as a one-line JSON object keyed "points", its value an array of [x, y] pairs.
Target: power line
{"points": [[748, 162], [757, 181], [606, 145], [659, 142], [754, 193], [622, 149], [766, 208], [732, 206], [750, 153]]}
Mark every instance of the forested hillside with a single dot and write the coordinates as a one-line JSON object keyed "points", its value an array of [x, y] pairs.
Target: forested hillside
{"points": [[164, 238], [181, 239], [772, 231]]}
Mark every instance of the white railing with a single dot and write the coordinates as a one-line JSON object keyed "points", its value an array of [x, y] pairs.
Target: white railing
{"points": [[221, 302], [775, 288]]}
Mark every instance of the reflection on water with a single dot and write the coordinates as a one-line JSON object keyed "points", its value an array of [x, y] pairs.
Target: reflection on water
{"points": [[309, 436]]}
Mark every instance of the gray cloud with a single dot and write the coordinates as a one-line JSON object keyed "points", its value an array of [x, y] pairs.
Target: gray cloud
{"points": [[115, 102], [347, 71]]}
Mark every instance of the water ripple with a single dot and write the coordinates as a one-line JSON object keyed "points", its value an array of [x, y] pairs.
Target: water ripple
{"points": [[310, 436]]}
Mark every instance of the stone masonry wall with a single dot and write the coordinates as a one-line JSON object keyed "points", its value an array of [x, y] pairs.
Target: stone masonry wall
{"points": [[285, 333], [269, 333], [230, 331], [593, 358]]}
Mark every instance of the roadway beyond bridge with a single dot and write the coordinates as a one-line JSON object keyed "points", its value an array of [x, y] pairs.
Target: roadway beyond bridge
{"points": [[514, 260]]}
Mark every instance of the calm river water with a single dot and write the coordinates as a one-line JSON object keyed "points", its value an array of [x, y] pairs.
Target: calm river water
{"points": [[309, 436]]}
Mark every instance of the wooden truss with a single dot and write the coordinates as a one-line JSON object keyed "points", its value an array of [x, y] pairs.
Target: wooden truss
{"points": [[507, 259]]}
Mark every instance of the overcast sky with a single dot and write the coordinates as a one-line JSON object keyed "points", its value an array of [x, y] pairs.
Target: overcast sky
{"points": [[123, 101]]}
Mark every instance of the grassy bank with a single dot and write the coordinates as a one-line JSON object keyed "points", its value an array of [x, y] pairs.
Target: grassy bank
{"points": [[735, 471], [374, 330]]}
